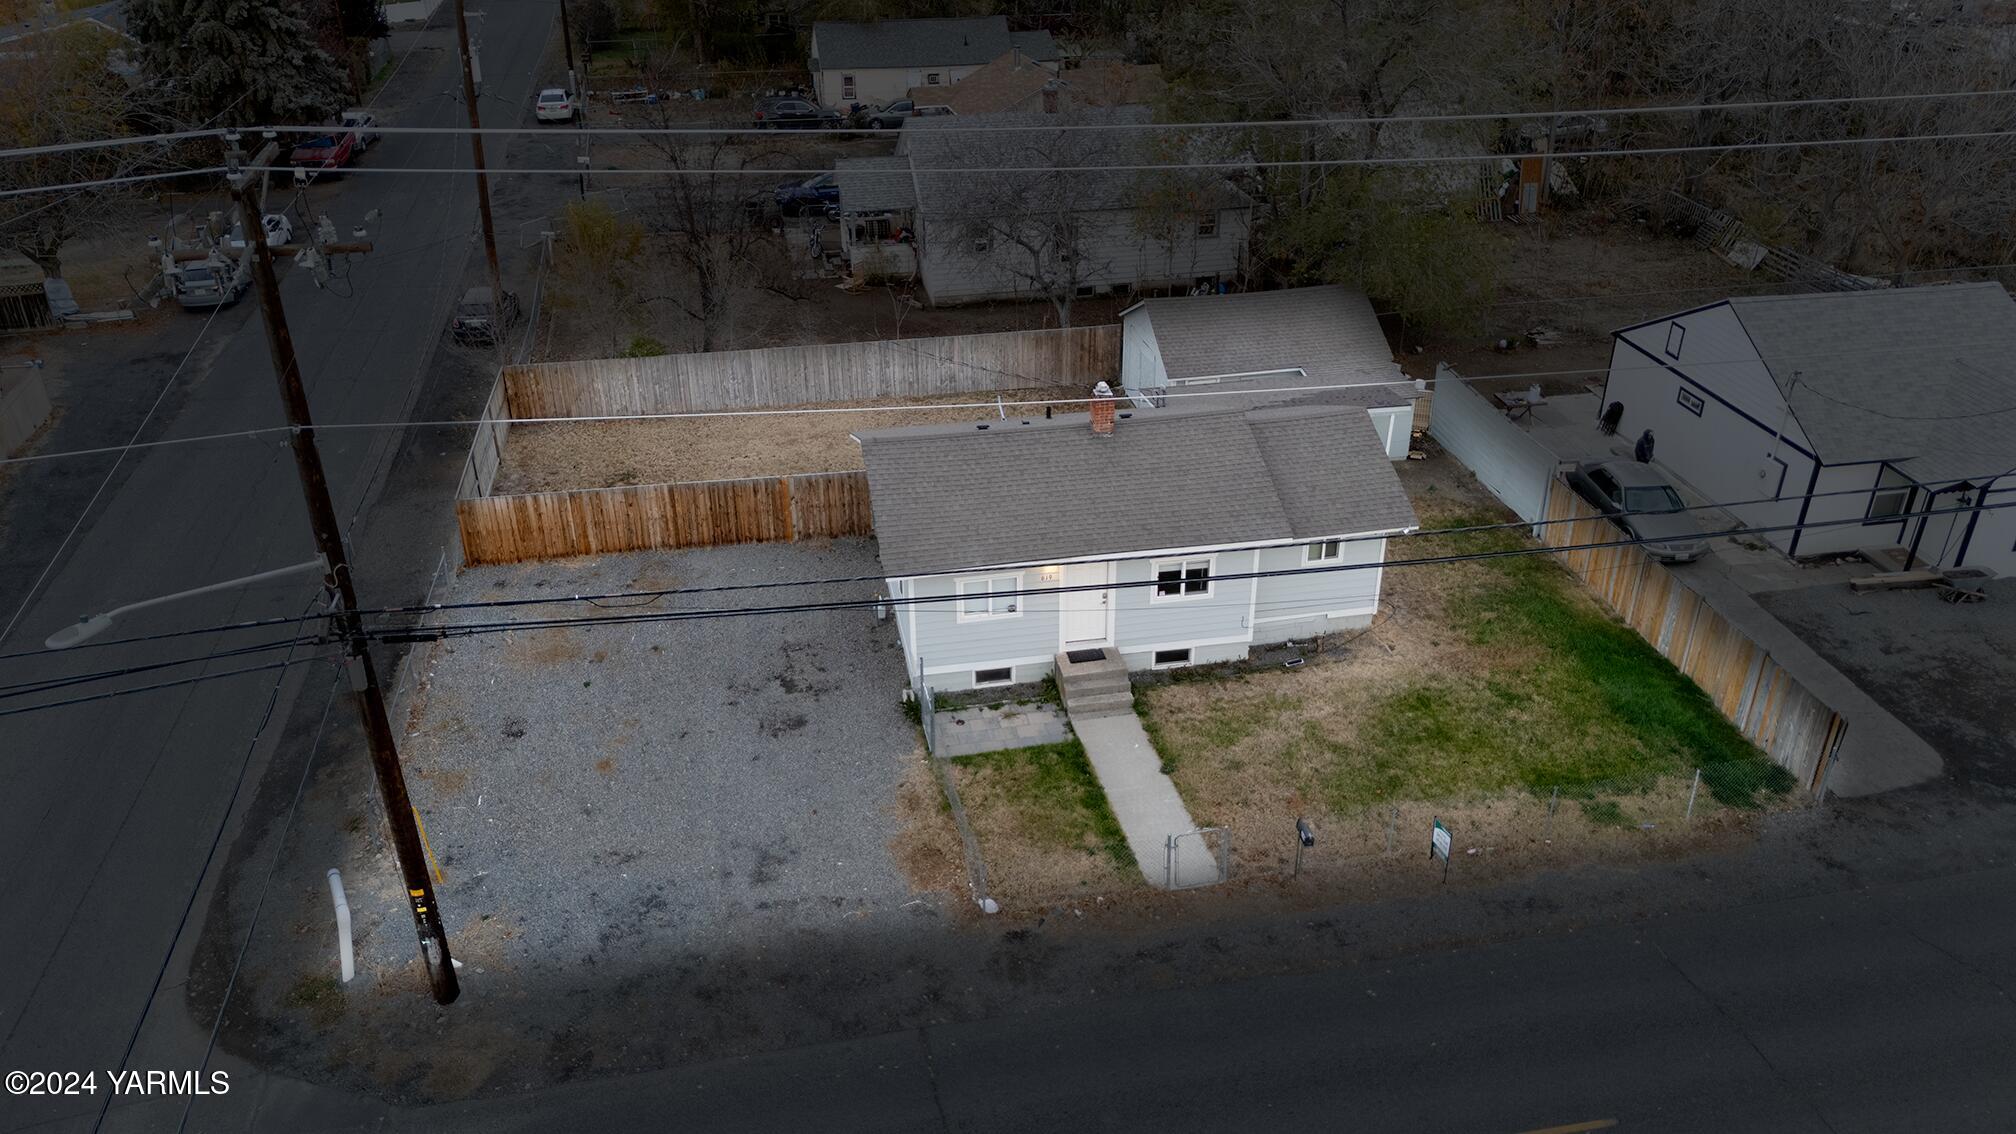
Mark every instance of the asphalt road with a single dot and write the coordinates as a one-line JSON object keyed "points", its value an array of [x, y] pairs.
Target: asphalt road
{"points": [[108, 809]]}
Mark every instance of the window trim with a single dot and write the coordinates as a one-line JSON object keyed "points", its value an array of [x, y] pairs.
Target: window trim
{"points": [[1155, 659], [1183, 564], [1207, 225], [1690, 401], [1676, 339], [1332, 551], [848, 88], [970, 587], [934, 78], [995, 684], [1909, 487]]}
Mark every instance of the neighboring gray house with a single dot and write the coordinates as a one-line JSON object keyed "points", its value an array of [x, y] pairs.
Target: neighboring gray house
{"points": [[879, 62], [1844, 406], [980, 233], [1263, 342], [1158, 530]]}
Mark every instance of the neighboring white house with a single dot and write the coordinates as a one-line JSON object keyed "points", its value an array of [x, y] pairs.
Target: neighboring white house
{"points": [[1050, 231], [1849, 410], [1275, 344], [879, 62], [1009, 542]]}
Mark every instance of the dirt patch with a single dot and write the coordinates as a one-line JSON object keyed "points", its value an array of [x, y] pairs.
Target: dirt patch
{"points": [[562, 456], [551, 646], [927, 845]]}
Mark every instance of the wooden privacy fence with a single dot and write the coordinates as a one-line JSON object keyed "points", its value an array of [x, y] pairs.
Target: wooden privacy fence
{"points": [[545, 525], [823, 372], [1771, 708]]}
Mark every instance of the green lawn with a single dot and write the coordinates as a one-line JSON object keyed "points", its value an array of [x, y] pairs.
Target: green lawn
{"points": [[1504, 676], [1044, 798]]}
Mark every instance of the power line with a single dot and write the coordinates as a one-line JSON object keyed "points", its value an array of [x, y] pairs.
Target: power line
{"points": [[459, 630], [1144, 167], [958, 128], [104, 483], [1027, 381]]}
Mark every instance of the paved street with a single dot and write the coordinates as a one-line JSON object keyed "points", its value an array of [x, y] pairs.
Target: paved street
{"points": [[108, 810]]}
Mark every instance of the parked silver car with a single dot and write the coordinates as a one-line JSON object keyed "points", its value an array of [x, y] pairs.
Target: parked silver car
{"points": [[1638, 500]]}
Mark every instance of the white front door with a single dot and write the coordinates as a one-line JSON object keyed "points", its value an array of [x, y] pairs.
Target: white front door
{"points": [[1085, 612]]}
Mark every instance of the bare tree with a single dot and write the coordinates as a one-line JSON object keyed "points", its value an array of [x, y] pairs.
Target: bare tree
{"points": [[698, 219], [59, 87]]}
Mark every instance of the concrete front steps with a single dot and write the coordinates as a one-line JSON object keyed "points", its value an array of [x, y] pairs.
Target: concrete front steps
{"points": [[1094, 689]]}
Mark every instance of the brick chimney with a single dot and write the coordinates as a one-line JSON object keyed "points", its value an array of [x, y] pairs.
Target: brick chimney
{"points": [[1104, 407]]}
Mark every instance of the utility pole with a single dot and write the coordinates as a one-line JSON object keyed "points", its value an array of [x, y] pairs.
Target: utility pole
{"points": [[476, 151], [370, 699], [567, 37]]}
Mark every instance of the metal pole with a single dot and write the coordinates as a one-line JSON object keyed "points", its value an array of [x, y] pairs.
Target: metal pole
{"points": [[1690, 794], [1297, 872], [370, 698], [345, 950], [476, 153]]}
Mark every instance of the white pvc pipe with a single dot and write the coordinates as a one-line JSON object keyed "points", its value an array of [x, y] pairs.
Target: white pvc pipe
{"points": [[342, 925]]}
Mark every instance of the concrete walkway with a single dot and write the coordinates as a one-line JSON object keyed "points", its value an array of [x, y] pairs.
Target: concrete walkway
{"points": [[1144, 800]]}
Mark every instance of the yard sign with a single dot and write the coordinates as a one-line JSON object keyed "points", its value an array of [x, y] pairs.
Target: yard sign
{"points": [[1438, 847]]}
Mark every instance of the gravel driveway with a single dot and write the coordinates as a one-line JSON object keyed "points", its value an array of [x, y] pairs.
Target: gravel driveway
{"points": [[1944, 670], [658, 785]]}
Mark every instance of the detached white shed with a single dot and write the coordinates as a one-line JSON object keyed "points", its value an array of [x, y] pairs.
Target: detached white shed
{"points": [[1274, 345], [1842, 420]]}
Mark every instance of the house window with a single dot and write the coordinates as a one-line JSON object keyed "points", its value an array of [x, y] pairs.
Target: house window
{"points": [[847, 87], [1675, 335], [1691, 401], [933, 79], [1328, 551], [1892, 497], [1182, 579], [985, 677], [992, 597], [1166, 658], [1207, 225]]}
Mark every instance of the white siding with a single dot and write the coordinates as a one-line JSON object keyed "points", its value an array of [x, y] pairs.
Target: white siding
{"points": [[1721, 453], [1395, 426], [1516, 468], [1717, 355], [1825, 507], [1120, 258], [879, 85], [1142, 625], [1994, 541], [933, 631], [1285, 598], [1141, 362]]}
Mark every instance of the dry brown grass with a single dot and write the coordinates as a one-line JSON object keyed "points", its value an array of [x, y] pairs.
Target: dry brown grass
{"points": [[607, 454], [1038, 836]]}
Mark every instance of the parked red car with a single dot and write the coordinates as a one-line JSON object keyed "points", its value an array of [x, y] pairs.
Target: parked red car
{"points": [[325, 152]]}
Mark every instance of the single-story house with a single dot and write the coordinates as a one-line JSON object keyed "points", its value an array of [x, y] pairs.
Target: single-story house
{"points": [[1273, 344], [880, 61], [1177, 537], [1017, 82], [1853, 410], [1051, 231]]}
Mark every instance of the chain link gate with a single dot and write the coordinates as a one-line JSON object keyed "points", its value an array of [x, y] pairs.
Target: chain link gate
{"points": [[1202, 857]]}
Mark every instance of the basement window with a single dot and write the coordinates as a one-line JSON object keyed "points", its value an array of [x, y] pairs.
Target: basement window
{"points": [[1164, 659], [985, 677]]}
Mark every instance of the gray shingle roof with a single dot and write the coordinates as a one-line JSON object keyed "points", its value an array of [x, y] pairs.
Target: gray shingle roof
{"points": [[943, 148], [923, 43], [1330, 332], [874, 184], [947, 497], [1900, 374]]}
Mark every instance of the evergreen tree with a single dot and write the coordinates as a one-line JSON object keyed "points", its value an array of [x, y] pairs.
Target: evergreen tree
{"points": [[246, 62]]}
